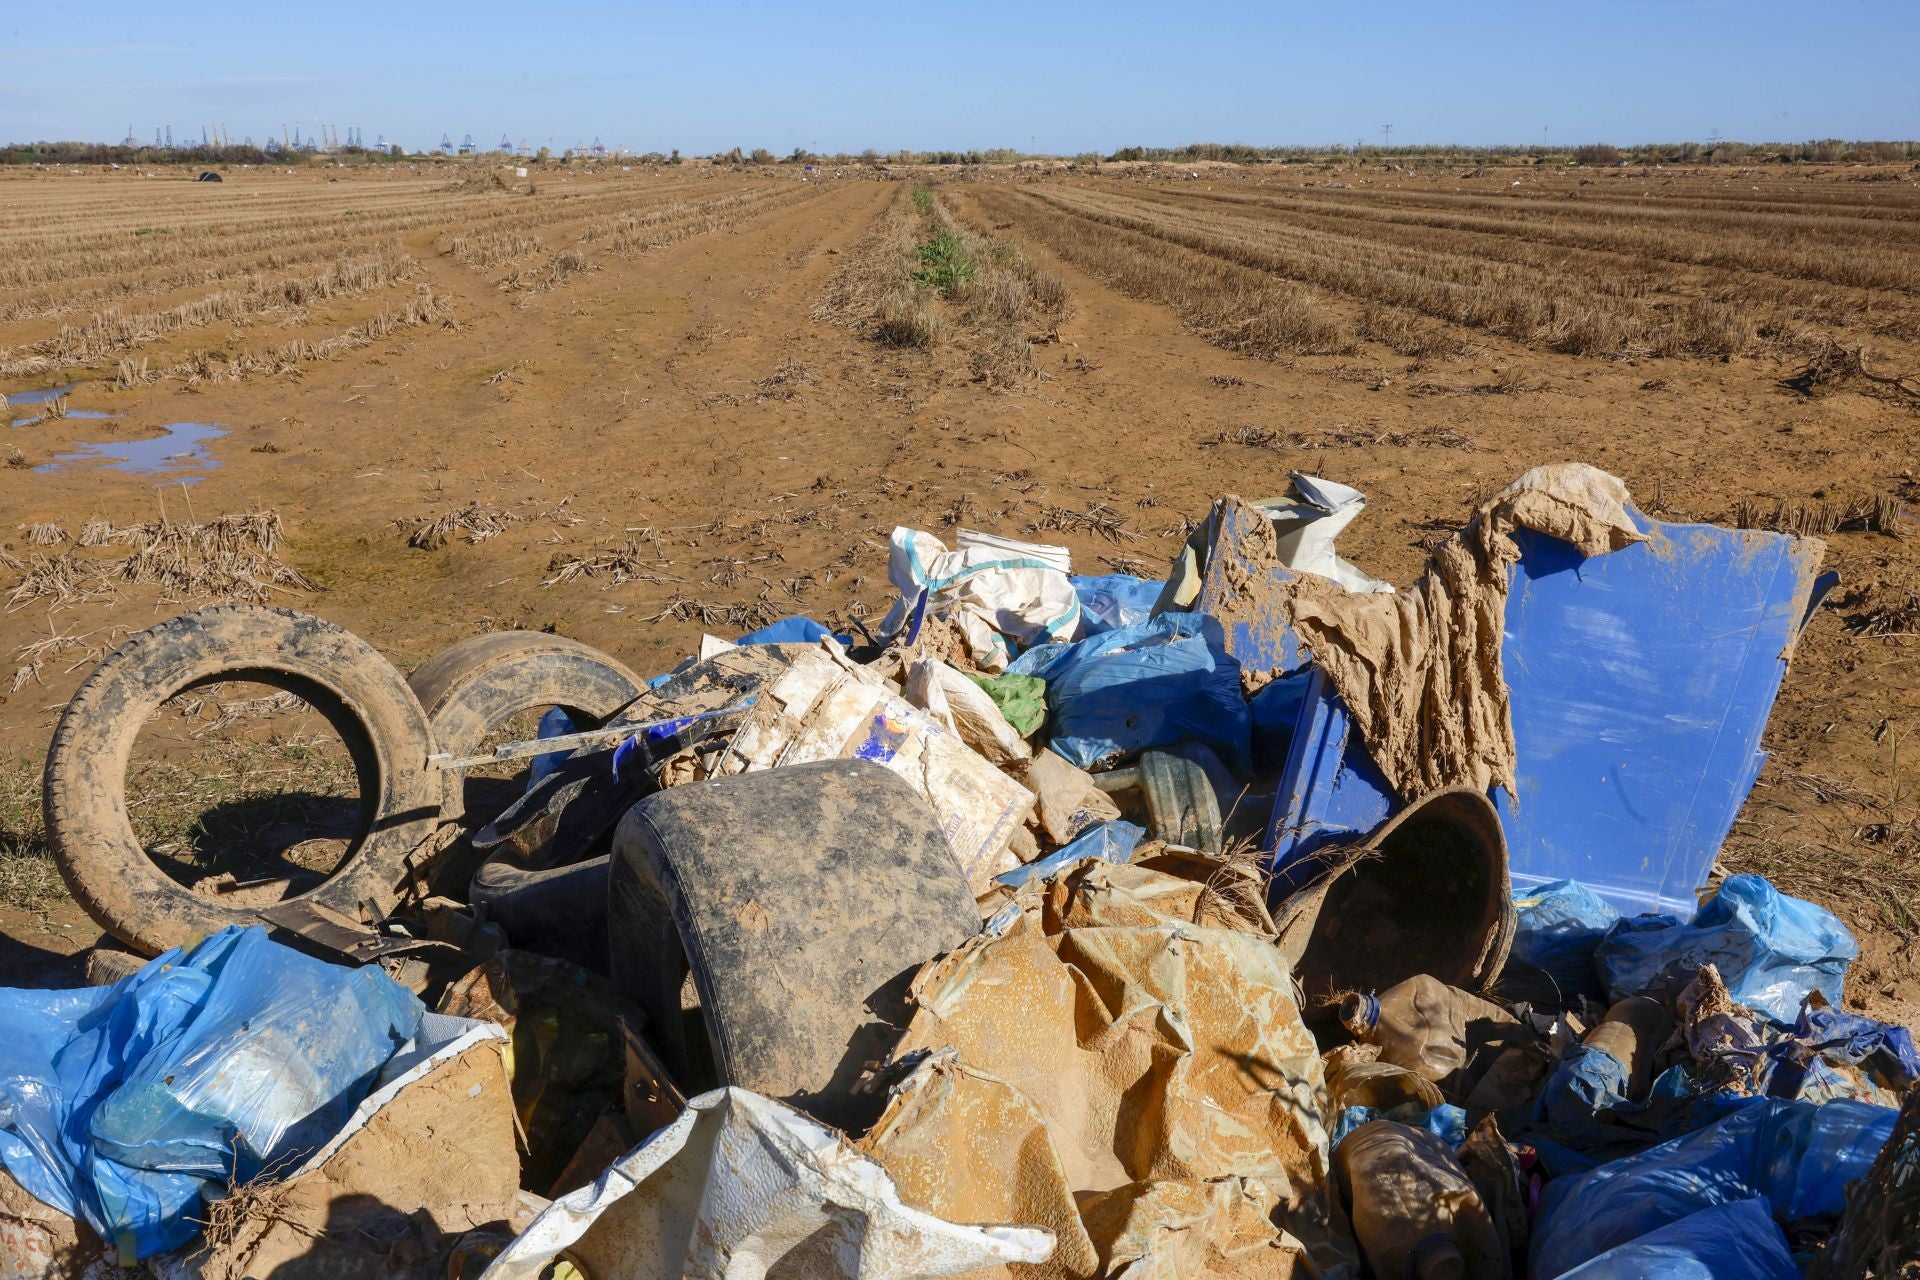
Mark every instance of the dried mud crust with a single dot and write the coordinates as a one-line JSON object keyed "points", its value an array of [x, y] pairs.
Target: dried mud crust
{"points": [[803, 899], [340, 676]]}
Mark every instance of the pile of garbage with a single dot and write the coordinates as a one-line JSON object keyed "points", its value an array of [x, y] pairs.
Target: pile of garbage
{"points": [[1263, 920]]}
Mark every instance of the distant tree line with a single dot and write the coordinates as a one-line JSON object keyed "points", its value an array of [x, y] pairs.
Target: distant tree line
{"points": [[1819, 151], [1822, 151], [122, 153]]}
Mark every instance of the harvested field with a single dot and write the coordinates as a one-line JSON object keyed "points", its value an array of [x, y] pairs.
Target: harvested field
{"points": [[632, 407]]}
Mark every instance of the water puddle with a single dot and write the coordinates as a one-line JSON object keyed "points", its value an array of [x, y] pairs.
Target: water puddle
{"points": [[71, 413], [28, 399], [18, 398], [182, 449]]}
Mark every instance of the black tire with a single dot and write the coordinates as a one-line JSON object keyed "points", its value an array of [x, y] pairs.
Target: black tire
{"points": [[359, 693], [803, 900], [477, 685]]}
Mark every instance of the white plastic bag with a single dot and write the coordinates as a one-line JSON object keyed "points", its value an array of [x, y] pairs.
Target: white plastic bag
{"points": [[991, 588], [967, 709], [744, 1186]]}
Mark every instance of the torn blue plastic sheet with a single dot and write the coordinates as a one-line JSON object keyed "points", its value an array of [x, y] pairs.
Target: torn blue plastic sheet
{"points": [[1445, 1122], [1796, 1155], [793, 631], [121, 1105], [1557, 926], [1739, 1239], [1110, 841], [1773, 951], [1157, 684], [1641, 682], [1114, 600]]}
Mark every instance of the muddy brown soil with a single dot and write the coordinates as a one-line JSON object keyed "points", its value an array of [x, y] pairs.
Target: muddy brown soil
{"points": [[637, 401]]}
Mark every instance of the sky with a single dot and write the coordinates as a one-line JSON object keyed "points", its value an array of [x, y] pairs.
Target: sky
{"points": [[1059, 78]]}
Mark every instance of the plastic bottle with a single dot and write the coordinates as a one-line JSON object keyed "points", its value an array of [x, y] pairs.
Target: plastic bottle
{"points": [[1632, 1032], [1413, 1208], [1428, 1027]]}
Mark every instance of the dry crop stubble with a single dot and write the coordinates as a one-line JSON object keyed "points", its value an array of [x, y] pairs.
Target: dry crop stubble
{"points": [[1576, 275]]}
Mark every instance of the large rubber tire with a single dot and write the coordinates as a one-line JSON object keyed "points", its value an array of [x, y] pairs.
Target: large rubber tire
{"points": [[803, 900], [361, 695], [477, 685]]}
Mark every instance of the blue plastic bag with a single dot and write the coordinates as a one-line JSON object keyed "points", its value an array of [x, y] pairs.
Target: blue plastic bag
{"points": [[1585, 1103], [1884, 1052], [554, 723], [121, 1104], [1446, 1121], [792, 631], [1739, 1239], [1557, 926], [1796, 1155], [1163, 682], [1114, 600], [1772, 951], [1110, 841]]}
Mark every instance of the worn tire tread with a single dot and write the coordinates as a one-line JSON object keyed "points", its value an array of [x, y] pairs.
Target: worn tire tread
{"points": [[91, 841]]}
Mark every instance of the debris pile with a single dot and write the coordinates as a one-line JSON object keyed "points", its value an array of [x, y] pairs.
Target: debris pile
{"points": [[1260, 921]]}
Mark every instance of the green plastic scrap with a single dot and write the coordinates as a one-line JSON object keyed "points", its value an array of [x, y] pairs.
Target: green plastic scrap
{"points": [[1021, 699]]}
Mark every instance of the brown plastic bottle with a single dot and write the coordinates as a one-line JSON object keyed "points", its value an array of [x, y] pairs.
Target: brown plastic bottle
{"points": [[1413, 1208], [1633, 1032], [1429, 1028]]}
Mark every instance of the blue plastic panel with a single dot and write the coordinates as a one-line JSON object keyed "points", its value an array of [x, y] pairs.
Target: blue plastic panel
{"points": [[1641, 683], [1257, 634]]}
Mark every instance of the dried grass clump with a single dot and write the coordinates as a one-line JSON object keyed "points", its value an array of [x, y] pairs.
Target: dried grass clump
{"points": [[65, 579], [1902, 619], [109, 332], [739, 617], [424, 308], [554, 273], [44, 534], [231, 557], [483, 249], [1407, 334], [1003, 359], [1284, 322], [1834, 364], [131, 372], [624, 562], [1341, 438], [476, 522], [1878, 514], [783, 382], [1098, 518], [472, 524], [909, 317], [859, 294]]}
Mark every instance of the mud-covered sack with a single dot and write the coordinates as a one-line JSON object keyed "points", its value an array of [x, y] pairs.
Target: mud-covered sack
{"points": [[1163, 682], [120, 1105], [1772, 950]]}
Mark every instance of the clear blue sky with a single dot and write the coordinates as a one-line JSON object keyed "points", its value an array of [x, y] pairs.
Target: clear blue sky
{"points": [[839, 75]]}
